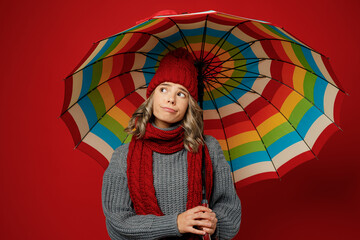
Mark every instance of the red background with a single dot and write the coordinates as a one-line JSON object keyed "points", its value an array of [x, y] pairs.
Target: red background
{"points": [[50, 191]]}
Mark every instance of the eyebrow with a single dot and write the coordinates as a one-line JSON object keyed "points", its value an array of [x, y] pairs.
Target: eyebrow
{"points": [[181, 88]]}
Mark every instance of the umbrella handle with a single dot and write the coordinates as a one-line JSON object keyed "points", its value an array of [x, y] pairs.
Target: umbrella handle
{"points": [[207, 235]]}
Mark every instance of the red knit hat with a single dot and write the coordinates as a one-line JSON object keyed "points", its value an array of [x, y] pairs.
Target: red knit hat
{"points": [[177, 66]]}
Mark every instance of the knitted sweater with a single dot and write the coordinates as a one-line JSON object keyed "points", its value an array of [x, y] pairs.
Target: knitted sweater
{"points": [[170, 183]]}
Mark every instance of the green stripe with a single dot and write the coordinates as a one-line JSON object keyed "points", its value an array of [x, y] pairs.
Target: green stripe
{"points": [[300, 109], [96, 99], [246, 148], [96, 74], [113, 45], [309, 86], [300, 55], [277, 133], [114, 126]]}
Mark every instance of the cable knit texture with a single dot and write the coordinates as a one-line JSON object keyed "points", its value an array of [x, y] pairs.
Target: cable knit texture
{"points": [[170, 173], [140, 168]]}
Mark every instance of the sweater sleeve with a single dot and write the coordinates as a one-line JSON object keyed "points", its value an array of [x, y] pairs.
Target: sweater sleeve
{"points": [[224, 200], [121, 219]]}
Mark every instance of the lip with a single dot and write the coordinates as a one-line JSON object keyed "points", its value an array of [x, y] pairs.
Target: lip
{"points": [[168, 109]]}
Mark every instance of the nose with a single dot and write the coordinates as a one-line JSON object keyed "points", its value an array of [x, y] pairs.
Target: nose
{"points": [[171, 99]]}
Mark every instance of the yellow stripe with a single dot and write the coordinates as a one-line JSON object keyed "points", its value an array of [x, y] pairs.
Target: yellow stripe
{"points": [[265, 30], [290, 53], [121, 44], [107, 65], [243, 138], [298, 80], [120, 116], [290, 103], [270, 123], [107, 95]]}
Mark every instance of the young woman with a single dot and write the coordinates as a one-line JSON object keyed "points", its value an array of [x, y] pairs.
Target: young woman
{"points": [[152, 188]]}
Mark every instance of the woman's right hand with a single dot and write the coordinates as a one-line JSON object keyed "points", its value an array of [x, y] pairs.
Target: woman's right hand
{"points": [[202, 217]]}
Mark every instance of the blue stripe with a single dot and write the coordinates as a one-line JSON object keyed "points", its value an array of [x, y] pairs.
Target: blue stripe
{"points": [[86, 81], [101, 52], [106, 135], [249, 159], [307, 120], [283, 143], [89, 111], [319, 93], [310, 59]]}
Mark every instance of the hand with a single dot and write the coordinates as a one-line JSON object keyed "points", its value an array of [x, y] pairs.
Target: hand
{"points": [[202, 217]]}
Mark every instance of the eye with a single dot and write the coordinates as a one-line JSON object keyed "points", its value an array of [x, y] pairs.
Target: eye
{"points": [[162, 89], [181, 94]]}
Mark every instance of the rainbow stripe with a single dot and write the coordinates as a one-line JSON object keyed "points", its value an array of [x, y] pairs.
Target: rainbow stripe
{"points": [[270, 100]]}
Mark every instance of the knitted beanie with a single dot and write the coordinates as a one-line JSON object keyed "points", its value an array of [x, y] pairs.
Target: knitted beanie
{"points": [[177, 66]]}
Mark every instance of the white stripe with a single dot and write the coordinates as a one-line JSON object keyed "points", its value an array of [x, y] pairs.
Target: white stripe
{"points": [[80, 119], [247, 99], [185, 26], [321, 66], [220, 27], [100, 145], [316, 129], [93, 54], [329, 100], [253, 169], [76, 87], [260, 84], [185, 14], [242, 36], [168, 32], [148, 46], [290, 152]]}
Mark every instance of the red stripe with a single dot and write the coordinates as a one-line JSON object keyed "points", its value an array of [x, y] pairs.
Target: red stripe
{"points": [[337, 106], [158, 27], [251, 30], [136, 42], [68, 92], [256, 178], [331, 71], [85, 57], [287, 75], [294, 162], [280, 96], [280, 52], [73, 128], [263, 114], [269, 49], [256, 106], [324, 136], [271, 89], [223, 20], [92, 152]]}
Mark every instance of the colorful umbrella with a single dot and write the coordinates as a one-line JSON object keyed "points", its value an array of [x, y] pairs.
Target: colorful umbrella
{"points": [[269, 99]]}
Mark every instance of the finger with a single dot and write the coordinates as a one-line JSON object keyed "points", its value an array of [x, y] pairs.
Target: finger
{"points": [[200, 209], [209, 230], [195, 231]]}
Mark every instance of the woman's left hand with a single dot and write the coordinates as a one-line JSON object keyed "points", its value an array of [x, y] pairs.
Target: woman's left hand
{"points": [[209, 217]]}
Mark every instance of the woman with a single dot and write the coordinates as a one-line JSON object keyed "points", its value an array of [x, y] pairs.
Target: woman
{"points": [[152, 187]]}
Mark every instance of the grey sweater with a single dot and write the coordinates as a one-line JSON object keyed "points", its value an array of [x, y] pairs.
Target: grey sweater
{"points": [[170, 182]]}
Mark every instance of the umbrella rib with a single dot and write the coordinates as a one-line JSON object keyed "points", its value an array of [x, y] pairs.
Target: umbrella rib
{"points": [[203, 39], [240, 51], [222, 124], [184, 39], [79, 99], [286, 85], [224, 37], [236, 102], [99, 60], [143, 86], [279, 60], [267, 39], [281, 114]]}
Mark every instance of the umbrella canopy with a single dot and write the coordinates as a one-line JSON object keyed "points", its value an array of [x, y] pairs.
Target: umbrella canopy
{"points": [[270, 100]]}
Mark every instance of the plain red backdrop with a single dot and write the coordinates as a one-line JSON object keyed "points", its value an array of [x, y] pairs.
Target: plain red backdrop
{"points": [[50, 191]]}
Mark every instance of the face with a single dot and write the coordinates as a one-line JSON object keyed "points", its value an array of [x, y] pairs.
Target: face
{"points": [[170, 102]]}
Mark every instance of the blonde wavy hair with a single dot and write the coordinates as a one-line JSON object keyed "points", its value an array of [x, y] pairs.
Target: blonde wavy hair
{"points": [[192, 123]]}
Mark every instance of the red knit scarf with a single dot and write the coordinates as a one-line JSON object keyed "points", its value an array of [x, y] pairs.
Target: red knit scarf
{"points": [[140, 169]]}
